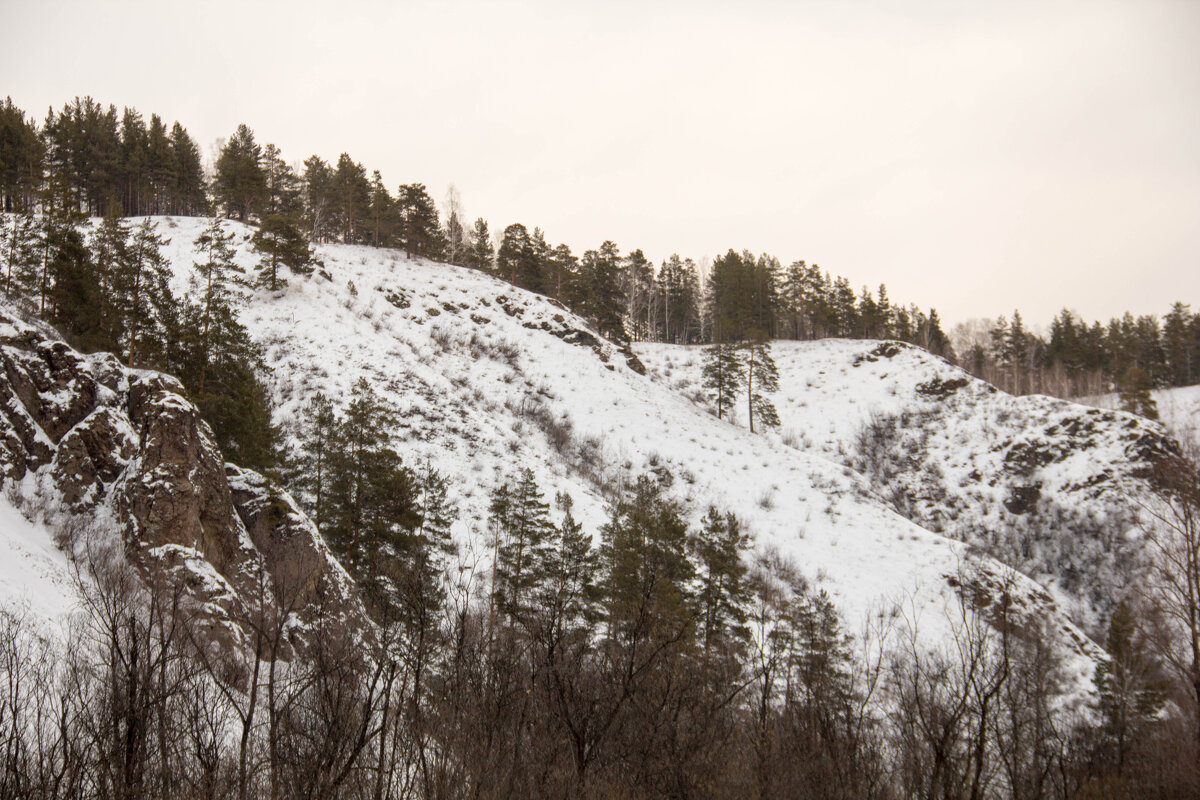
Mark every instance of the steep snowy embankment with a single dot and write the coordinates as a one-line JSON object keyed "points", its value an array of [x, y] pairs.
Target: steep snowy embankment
{"points": [[1048, 486], [35, 576], [489, 379]]}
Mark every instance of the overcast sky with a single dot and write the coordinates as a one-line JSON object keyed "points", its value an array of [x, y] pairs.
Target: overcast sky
{"points": [[975, 157]]}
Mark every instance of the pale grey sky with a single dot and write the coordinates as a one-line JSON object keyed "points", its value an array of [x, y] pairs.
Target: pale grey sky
{"points": [[975, 156]]}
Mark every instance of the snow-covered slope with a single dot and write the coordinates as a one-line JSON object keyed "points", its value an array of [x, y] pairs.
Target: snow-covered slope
{"points": [[490, 379], [35, 577], [1179, 410], [1048, 486]]}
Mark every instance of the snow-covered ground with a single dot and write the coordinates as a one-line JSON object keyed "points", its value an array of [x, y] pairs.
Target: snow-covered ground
{"points": [[1049, 486], [1179, 410], [35, 576], [489, 379]]}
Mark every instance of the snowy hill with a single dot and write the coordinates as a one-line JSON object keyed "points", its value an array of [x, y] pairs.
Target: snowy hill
{"points": [[1179, 410], [489, 379], [1047, 486]]}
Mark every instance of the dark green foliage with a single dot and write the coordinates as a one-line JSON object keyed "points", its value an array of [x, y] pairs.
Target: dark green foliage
{"points": [[520, 522], [318, 196], [723, 374], [20, 254], [217, 361], [761, 377], [719, 549], [318, 431], [282, 244], [21, 155], [77, 301], [350, 196], [371, 509], [516, 261], [480, 254], [645, 569], [597, 295], [241, 181], [420, 231], [742, 296], [1135, 393], [1132, 686]]}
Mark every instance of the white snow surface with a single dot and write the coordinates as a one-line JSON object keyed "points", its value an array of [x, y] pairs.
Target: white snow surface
{"points": [[35, 576], [486, 385], [1178, 408]]}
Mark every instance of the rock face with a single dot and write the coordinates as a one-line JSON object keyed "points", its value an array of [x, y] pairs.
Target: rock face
{"points": [[84, 439]]}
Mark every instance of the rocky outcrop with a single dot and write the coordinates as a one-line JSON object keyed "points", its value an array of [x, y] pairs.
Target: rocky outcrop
{"points": [[83, 439]]}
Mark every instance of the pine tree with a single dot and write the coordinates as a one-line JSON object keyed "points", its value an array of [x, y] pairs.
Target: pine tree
{"points": [[569, 593], [723, 373], [350, 192], [1135, 394], [319, 215], [521, 522], [1131, 684], [761, 377], [421, 583], [282, 244], [420, 231], [371, 509], [382, 213], [481, 255], [597, 294], [76, 296], [317, 437], [145, 302], [22, 254], [188, 192], [110, 255], [241, 182], [645, 571], [216, 283], [513, 258], [722, 596], [21, 159]]}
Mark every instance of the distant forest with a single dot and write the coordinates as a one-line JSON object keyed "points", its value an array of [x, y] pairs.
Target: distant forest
{"points": [[90, 159]]}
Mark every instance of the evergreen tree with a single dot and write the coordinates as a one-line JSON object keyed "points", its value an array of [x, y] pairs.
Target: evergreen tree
{"points": [[1135, 393], [597, 294], [317, 435], [22, 247], [722, 596], [723, 372], [382, 213], [521, 523], [76, 296], [319, 213], [569, 593], [281, 244], [188, 196], [1131, 684], [514, 258], [351, 195], [761, 377], [144, 300], [241, 182], [371, 511], [110, 256], [481, 255], [420, 231], [645, 572], [216, 283], [21, 156], [422, 589]]}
